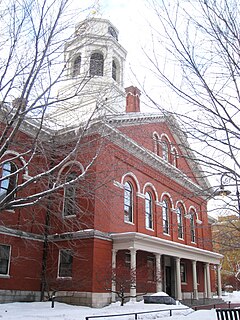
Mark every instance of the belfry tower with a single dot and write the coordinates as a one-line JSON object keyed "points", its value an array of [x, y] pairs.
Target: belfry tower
{"points": [[94, 73]]}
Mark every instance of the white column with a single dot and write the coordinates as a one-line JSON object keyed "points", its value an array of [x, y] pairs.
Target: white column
{"points": [[158, 273], [205, 281], [219, 282], [114, 256], [194, 270], [133, 271], [178, 280], [207, 284]]}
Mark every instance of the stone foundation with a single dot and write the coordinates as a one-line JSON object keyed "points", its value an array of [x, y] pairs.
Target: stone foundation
{"points": [[7, 296], [95, 300]]}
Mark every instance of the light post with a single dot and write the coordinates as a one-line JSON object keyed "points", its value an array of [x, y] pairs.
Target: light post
{"points": [[225, 192]]}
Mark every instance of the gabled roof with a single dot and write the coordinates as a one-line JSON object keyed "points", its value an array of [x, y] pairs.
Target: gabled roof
{"points": [[150, 158], [108, 127]]}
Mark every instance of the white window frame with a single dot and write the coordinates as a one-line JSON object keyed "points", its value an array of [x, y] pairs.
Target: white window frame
{"points": [[73, 186], [2, 275], [165, 206], [148, 211], [9, 180], [179, 212], [130, 205], [193, 228]]}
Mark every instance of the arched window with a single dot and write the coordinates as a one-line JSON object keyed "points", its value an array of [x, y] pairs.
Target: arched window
{"points": [[180, 222], [128, 202], [192, 227], [8, 179], [76, 66], [114, 70], [69, 207], [148, 211], [113, 32], [96, 64], [165, 151], [156, 144], [165, 216], [175, 156]]}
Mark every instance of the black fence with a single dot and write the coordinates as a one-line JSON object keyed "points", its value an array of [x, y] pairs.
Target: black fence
{"points": [[135, 314]]}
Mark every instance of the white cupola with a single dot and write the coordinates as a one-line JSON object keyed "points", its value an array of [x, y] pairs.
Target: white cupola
{"points": [[94, 72]]}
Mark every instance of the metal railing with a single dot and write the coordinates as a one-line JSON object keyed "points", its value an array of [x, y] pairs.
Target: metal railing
{"points": [[138, 313]]}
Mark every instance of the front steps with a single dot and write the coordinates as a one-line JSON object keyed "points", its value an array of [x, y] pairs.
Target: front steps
{"points": [[203, 302]]}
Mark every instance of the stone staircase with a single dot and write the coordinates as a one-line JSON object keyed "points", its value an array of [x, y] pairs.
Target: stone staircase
{"points": [[203, 302]]}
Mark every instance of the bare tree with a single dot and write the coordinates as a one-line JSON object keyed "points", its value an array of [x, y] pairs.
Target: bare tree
{"points": [[226, 241], [32, 69], [194, 57], [124, 280]]}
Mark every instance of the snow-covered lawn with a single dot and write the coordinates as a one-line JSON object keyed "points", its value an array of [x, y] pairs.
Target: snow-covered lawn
{"points": [[61, 311]]}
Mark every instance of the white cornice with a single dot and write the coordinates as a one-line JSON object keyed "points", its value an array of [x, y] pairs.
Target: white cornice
{"points": [[151, 159], [21, 234], [81, 234], [140, 241]]}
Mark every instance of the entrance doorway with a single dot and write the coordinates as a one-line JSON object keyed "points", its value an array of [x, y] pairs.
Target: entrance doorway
{"points": [[168, 274]]}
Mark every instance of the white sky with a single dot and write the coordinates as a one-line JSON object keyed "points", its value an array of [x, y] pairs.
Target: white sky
{"points": [[61, 311]]}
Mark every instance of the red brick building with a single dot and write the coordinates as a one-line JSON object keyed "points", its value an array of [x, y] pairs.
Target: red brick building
{"points": [[141, 205]]}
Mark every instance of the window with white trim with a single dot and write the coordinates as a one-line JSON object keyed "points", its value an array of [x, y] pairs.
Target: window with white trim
{"points": [[96, 64], [165, 216], [8, 179], [70, 193], [165, 151], [128, 202], [4, 259], [76, 66], [114, 70], [179, 212], [148, 211], [156, 144], [65, 263], [192, 227], [174, 158]]}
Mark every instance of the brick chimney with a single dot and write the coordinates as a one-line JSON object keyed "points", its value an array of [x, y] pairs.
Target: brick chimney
{"points": [[132, 99]]}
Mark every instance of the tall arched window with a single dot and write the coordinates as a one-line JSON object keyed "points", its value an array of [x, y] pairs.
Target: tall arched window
{"points": [[148, 211], [114, 70], [76, 66], [165, 216], [69, 207], [96, 64], [128, 202], [180, 222], [8, 179], [156, 144], [174, 157], [192, 227], [113, 32], [165, 151]]}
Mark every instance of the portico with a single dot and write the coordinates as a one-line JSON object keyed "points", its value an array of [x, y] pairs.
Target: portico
{"points": [[169, 262]]}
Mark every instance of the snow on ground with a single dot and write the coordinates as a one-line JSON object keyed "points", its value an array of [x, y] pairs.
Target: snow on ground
{"points": [[61, 311]]}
